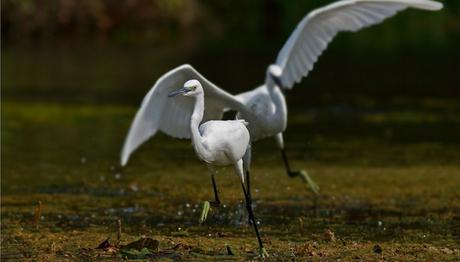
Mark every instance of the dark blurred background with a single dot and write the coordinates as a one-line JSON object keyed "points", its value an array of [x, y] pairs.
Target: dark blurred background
{"points": [[101, 51]]}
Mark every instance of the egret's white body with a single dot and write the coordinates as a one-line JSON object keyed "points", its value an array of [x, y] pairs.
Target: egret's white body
{"points": [[218, 143], [267, 109], [225, 142], [264, 108]]}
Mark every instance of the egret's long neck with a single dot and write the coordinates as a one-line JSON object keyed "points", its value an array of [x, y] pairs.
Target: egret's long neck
{"points": [[277, 98], [195, 121]]}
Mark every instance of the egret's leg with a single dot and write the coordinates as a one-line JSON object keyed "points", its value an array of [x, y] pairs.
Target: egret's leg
{"points": [[248, 191], [248, 185], [213, 173], [240, 172], [246, 167], [216, 193], [207, 204], [302, 173]]}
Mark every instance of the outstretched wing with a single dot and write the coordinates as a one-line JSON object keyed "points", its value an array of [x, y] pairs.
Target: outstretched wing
{"points": [[172, 116], [317, 29]]}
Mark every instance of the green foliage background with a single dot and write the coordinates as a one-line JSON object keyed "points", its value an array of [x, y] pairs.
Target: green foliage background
{"points": [[104, 51]]}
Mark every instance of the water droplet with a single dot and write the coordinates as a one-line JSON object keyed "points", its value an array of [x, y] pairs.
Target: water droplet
{"points": [[117, 176], [187, 205], [180, 213], [380, 223]]}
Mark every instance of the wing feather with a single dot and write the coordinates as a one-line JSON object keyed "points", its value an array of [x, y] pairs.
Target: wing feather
{"points": [[313, 34], [172, 116]]}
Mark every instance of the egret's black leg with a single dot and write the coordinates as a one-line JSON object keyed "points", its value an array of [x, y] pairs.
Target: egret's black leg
{"points": [[286, 165], [302, 174], [216, 202], [248, 185], [207, 204], [248, 190], [251, 215]]}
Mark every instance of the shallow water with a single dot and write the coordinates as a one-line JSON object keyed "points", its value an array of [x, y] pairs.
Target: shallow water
{"points": [[389, 175]]}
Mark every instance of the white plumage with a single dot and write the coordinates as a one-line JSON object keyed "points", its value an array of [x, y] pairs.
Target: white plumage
{"points": [[316, 30], [218, 143], [264, 107], [173, 116], [227, 140]]}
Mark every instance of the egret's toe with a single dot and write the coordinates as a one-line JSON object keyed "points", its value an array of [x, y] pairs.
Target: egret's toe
{"points": [[263, 253], [204, 212], [309, 182]]}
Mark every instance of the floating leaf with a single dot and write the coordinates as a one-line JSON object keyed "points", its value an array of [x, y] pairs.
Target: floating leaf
{"points": [[107, 247], [104, 244]]}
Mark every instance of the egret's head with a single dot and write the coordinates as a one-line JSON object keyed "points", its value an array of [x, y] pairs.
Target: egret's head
{"points": [[191, 88], [274, 72]]}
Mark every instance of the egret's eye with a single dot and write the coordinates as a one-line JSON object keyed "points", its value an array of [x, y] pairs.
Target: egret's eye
{"points": [[193, 88]]}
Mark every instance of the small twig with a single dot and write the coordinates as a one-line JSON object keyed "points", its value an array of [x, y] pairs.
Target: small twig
{"points": [[37, 213], [118, 232], [301, 227]]}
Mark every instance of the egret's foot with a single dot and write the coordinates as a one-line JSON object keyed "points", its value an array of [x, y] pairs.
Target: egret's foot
{"points": [[204, 212], [312, 186], [263, 253]]}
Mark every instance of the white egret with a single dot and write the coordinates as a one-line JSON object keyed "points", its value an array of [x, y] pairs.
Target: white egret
{"points": [[264, 107], [218, 143]]}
